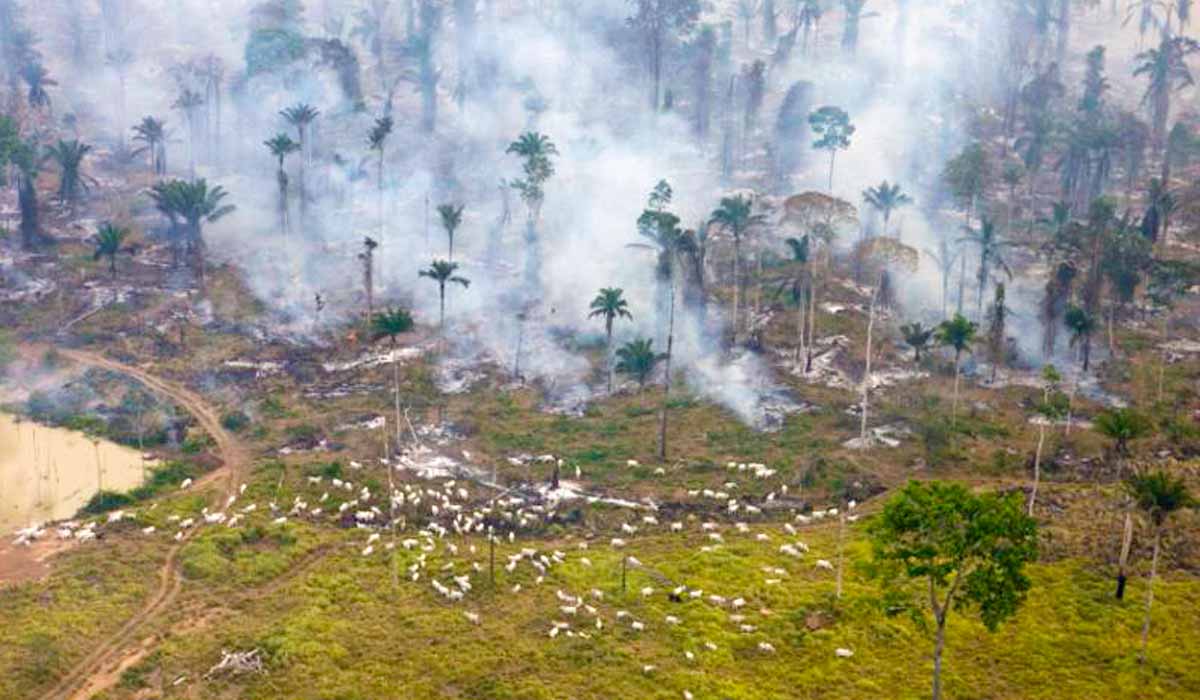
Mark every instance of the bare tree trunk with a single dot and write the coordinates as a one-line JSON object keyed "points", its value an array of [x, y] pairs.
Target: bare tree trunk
{"points": [[938, 646], [866, 380], [1150, 594], [662, 420], [737, 284], [840, 551], [1123, 561], [957, 376], [1037, 467]]}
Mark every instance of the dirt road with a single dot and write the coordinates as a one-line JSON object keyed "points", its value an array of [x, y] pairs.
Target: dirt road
{"points": [[101, 669]]}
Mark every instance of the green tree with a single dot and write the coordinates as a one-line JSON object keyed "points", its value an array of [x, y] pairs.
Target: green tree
{"points": [[1082, 325], [610, 305], [153, 133], [69, 155], [968, 550], [536, 151], [451, 217], [917, 337], [1158, 495], [281, 146], [833, 129], [957, 333], [188, 205], [442, 272], [637, 359], [110, 242], [886, 198], [967, 176], [735, 216]]}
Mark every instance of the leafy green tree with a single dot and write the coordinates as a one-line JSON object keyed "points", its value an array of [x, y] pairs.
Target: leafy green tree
{"points": [[153, 133], [69, 155], [451, 217], [610, 305], [1082, 325], [957, 333], [833, 129], [968, 550], [1158, 495], [886, 198], [281, 146], [442, 272], [188, 205], [917, 337], [967, 176], [110, 242], [637, 359], [735, 216]]}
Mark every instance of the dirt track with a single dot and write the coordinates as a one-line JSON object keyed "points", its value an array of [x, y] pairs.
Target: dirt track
{"points": [[101, 669]]}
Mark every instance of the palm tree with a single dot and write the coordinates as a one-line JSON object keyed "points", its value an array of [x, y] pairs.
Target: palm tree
{"points": [[668, 239], [451, 217], [1081, 324], [1122, 426], [917, 337], [800, 250], [188, 102], [957, 333], [153, 133], [69, 156], [442, 271], [991, 252], [195, 204], [1166, 71], [300, 116], [610, 304], [1158, 495], [281, 146], [38, 79], [637, 359], [734, 216], [377, 140], [389, 324], [110, 242], [885, 198]]}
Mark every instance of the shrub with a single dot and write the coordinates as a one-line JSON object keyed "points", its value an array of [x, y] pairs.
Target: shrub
{"points": [[235, 421], [104, 501]]}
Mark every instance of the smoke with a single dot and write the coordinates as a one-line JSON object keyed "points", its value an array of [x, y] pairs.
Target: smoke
{"points": [[571, 73]]}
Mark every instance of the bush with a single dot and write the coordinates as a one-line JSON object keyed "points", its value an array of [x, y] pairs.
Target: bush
{"points": [[105, 501], [235, 421]]}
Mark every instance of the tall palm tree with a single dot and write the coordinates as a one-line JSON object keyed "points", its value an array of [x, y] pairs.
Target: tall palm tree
{"points": [[153, 133], [536, 149], [189, 102], [609, 304], [1158, 495], [69, 156], [1082, 325], [300, 116], [668, 240], [281, 146], [389, 324], [735, 217], [1166, 70], [957, 333], [800, 249], [991, 253], [110, 242], [886, 198], [442, 272], [194, 204], [377, 141], [637, 359], [451, 217]]}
